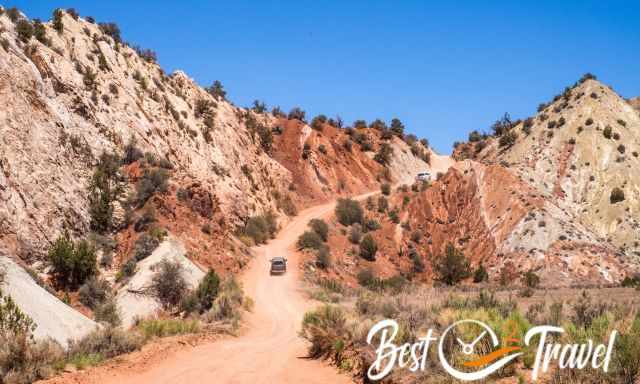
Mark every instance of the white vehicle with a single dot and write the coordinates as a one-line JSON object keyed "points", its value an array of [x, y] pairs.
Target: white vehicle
{"points": [[423, 176]]}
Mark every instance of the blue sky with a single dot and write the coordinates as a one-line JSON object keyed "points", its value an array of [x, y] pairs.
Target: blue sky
{"points": [[444, 69]]}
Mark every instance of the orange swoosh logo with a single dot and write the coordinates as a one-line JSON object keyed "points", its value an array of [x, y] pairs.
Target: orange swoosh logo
{"points": [[484, 360]]}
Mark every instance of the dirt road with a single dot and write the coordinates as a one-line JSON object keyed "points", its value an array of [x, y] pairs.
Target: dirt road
{"points": [[270, 351]]}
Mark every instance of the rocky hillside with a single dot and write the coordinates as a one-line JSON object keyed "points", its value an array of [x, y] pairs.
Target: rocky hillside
{"points": [[498, 220], [557, 194], [72, 90], [581, 153]]}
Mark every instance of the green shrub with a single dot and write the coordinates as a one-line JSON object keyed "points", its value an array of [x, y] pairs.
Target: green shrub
{"points": [[318, 121], [24, 30], [367, 278], [585, 311], [368, 248], [73, 13], [383, 204], [57, 20], [105, 187], [378, 124], [394, 216], [480, 275], [152, 181], [127, 269], [105, 343], [40, 32], [94, 292], [418, 265], [144, 246], [168, 284], [355, 233], [359, 124], [383, 156], [23, 360], [325, 328], [207, 291], [323, 257], [217, 90], [631, 281], [617, 195], [226, 307], [13, 321], [259, 106], [13, 14], [349, 211], [108, 312], [626, 359], [452, 267], [508, 139], [297, 114], [531, 280], [371, 224], [385, 188], [261, 228], [72, 264], [309, 240], [320, 227], [474, 136], [151, 328], [111, 29], [131, 152], [607, 132], [397, 128]]}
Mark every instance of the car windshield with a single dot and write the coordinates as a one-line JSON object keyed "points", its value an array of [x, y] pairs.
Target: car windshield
{"points": [[277, 262]]}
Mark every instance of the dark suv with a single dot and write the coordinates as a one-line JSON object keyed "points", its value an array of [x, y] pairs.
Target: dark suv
{"points": [[278, 265]]}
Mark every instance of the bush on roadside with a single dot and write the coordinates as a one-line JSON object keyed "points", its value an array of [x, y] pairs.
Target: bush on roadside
{"points": [[150, 328], [310, 240], [229, 303], [325, 328], [201, 299], [349, 211], [104, 344], [168, 284], [320, 227]]}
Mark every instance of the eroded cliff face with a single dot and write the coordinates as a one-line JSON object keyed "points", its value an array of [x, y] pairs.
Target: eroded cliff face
{"points": [[501, 221], [575, 152], [66, 102]]}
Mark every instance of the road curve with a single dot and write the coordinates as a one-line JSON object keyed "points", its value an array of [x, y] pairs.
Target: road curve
{"points": [[271, 350]]}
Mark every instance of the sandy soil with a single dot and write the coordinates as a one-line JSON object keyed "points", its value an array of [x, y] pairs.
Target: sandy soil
{"points": [[269, 351]]}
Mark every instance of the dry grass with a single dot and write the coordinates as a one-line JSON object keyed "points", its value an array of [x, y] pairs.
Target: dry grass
{"points": [[338, 332]]}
